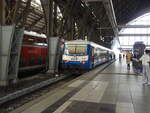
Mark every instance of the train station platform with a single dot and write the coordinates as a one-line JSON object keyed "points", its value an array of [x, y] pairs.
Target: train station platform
{"points": [[113, 90]]}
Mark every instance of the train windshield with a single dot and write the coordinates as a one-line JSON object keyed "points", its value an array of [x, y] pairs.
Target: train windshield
{"points": [[75, 49]]}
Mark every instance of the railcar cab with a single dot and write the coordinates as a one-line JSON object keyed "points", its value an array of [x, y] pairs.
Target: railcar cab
{"points": [[76, 55]]}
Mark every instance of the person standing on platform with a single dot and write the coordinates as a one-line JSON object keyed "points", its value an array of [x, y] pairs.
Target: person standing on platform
{"points": [[146, 68], [120, 56], [128, 60], [123, 56]]}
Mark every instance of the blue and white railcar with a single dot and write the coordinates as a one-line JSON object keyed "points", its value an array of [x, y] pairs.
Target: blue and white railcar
{"points": [[82, 54]]}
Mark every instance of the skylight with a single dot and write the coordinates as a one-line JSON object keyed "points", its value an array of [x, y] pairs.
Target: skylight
{"points": [[136, 34]]}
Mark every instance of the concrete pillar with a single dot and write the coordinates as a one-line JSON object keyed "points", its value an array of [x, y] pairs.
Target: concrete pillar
{"points": [[6, 36], [54, 43]]}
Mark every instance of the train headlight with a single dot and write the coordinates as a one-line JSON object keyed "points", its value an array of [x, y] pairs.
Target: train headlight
{"points": [[83, 62]]}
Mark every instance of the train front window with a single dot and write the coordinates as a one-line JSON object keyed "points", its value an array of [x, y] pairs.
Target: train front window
{"points": [[76, 49]]}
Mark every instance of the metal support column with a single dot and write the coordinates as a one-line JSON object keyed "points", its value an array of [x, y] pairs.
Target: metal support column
{"points": [[72, 28], [2, 12], [90, 30], [55, 20]]}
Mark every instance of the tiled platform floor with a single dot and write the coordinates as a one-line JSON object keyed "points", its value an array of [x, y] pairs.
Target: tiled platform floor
{"points": [[114, 90]]}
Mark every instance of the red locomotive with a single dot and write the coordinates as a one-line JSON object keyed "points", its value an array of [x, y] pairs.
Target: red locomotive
{"points": [[33, 53]]}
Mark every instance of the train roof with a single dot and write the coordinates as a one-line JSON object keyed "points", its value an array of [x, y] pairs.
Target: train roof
{"points": [[80, 42], [30, 33]]}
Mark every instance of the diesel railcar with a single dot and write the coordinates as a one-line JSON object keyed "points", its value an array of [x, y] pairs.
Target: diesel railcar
{"points": [[33, 53], [84, 55]]}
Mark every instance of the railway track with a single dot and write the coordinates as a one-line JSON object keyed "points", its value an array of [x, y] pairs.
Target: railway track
{"points": [[30, 89]]}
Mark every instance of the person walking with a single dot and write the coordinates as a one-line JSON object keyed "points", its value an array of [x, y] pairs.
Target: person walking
{"points": [[120, 57], [123, 56], [128, 60], [146, 68]]}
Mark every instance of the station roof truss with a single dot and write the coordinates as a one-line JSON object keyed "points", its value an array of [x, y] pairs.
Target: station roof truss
{"points": [[88, 17]]}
